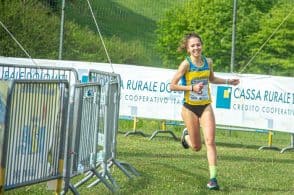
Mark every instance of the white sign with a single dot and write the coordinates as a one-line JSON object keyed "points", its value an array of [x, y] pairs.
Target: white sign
{"points": [[259, 101], [263, 102], [145, 93]]}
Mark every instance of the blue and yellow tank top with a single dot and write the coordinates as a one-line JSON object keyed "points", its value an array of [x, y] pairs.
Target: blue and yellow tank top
{"points": [[195, 75]]}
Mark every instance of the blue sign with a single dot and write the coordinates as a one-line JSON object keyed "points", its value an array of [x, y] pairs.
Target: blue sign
{"points": [[223, 97]]}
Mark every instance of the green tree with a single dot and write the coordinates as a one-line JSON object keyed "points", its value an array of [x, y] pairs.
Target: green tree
{"points": [[274, 42], [32, 25], [212, 19]]}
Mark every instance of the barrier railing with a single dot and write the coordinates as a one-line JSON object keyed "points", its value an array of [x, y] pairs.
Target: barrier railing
{"points": [[42, 72], [32, 72], [85, 144], [108, 134], [90, 126], [110, 83], [34, 133]]}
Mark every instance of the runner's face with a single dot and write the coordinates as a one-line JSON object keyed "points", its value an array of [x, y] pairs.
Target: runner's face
{"points": [[194, 47]]}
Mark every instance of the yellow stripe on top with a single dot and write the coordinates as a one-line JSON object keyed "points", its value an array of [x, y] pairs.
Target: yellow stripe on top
{"points": [[194, 76]]}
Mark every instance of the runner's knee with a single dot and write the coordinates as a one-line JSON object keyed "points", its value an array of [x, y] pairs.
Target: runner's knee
{"points": [[196, 147], [210, 142]]}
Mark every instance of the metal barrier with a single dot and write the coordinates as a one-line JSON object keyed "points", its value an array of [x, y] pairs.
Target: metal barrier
{"points": [[87, 140], [34, 133], [33, 72], [85, 143], [109, 114], [110, 107]]}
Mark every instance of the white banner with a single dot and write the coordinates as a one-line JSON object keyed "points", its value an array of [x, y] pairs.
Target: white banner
{"points": [[259, 101], [263, 102], [145, 93]]}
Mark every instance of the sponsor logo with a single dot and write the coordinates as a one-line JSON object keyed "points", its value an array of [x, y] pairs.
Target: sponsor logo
{"points": [[223, 97]]}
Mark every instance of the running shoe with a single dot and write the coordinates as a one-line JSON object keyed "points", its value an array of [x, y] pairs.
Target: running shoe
{"points": [[183, 140], [212, 184]]}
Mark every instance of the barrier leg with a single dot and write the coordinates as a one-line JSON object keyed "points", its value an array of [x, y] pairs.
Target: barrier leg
{"points": [[270, 142], [135, 129], [163, 130], [131, 168], [84, 180], [111, 179], [60, 180], [2, 178], [73, 189], [291, 147], [126, 168], [102, 178]]}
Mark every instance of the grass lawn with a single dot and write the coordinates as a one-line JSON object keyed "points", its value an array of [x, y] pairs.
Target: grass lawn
{"points": [[166, 168]]}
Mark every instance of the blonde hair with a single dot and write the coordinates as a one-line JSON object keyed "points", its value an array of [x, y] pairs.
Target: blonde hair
{"points": [[184, 41]]}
